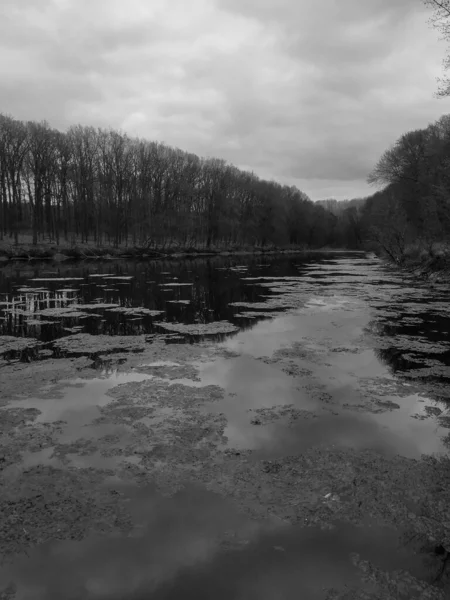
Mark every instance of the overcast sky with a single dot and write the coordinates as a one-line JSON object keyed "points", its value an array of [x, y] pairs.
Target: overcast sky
{"points": [[307, 92]]}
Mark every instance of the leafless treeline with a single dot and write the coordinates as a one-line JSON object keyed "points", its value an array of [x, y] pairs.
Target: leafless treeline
{"points": [[104, 186]]}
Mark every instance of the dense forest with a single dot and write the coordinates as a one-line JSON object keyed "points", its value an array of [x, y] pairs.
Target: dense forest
{"points": [[100, 186], [104, 187]]}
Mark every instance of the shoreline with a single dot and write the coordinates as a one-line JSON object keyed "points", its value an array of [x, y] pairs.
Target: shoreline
{"points": [[77, 253], [433, 269]]}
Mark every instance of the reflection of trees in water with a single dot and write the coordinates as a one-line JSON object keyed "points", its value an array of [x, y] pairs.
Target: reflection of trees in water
{"points": [[383, 327], [214, 287], [395, 360]]}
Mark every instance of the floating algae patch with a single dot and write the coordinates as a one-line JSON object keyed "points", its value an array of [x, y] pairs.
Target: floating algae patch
{"points": [[271, 303], [274, 278], [52, 504], [95, 306], [84, 343], [138, 310], [31, 440], [264, 416], [50, 279], [27, 290], [255, 314], [435, 371], [407, 343], [74, 329], [74, 314], [9, 343], [13, 417], [168, 370], [119, 278], [296, 350], [175, 284], [38, 322], [159, 393], [213, 328], [172, 435], [66, 312]]}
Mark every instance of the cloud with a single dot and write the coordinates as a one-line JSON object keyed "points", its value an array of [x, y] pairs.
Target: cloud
{"points": [[306, 93]]}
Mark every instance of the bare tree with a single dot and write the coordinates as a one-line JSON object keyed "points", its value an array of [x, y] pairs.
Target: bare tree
{"points": [[441, 21]]}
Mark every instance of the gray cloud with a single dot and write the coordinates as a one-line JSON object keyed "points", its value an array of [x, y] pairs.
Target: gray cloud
{"points": [[304, 92]]}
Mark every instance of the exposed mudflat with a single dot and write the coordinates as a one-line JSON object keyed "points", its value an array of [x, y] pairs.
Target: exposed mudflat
{"points": [[300, 452]]}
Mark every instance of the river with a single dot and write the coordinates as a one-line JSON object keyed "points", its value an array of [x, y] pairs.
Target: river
{"points": [[221, 427]]}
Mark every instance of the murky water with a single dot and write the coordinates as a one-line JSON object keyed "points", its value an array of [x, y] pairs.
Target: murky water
{"points": [[361, 348]]}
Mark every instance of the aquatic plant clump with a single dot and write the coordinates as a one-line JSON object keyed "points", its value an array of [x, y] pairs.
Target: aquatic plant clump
{"points": [[50, 279], [9, 343], [250, 314], [136, 311], [175, 284], [84, 343], [200, 328], [271, 303]]}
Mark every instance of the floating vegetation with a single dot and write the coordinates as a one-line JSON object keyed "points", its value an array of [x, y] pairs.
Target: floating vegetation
{"points": [[175, 284], [169, 370], [68, 311], [136, 311], [254, 314], [84, 343], [28, 290], [264, 416], [179, 301], [95, 306], [408, 343], [65, 312], [9, 343], [274, 278], [74, 329], [157, 393], [434, 371], [271, 303], [200, 328], [57, 279]]}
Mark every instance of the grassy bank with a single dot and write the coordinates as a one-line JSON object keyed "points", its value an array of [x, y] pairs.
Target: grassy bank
{"points": [[431, 263]]}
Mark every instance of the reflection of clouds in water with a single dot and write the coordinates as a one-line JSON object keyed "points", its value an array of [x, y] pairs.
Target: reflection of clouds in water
{"points": [[169, 534], [294, 563], [343, 430], [174, 551]]}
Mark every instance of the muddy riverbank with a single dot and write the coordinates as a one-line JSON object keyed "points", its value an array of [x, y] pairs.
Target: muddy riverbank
{"points": [[301, 451]]}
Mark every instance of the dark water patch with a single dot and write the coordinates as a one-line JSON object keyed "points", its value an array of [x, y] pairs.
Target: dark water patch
{"points": [[198, 293]]}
